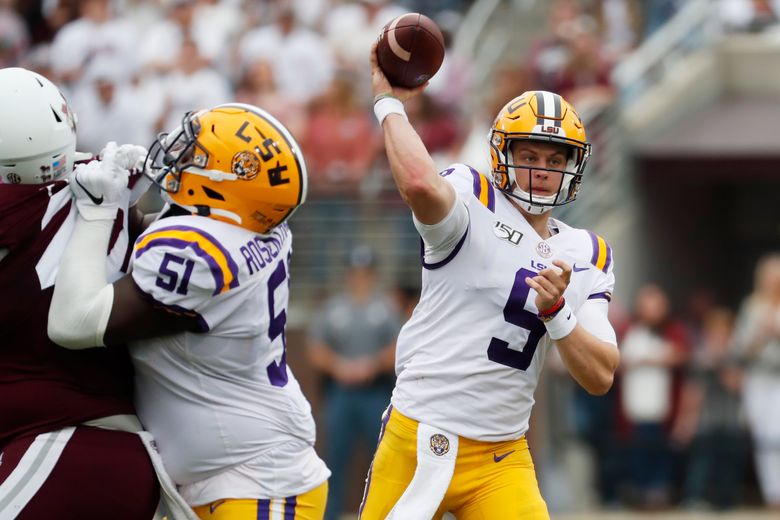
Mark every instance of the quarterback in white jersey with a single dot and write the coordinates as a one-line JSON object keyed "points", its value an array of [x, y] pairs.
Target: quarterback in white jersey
{"points": [[502, 282], [205, 310]]}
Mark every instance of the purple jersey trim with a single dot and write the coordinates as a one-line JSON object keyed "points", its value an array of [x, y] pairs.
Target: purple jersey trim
{"points": [[178, 243], [444, 262], [491, 198], [264, 509], [609, 258], [181, 244], [594, 239], [477, 188], [595, 242], [290, 504], [602, 295], [385, 420]]}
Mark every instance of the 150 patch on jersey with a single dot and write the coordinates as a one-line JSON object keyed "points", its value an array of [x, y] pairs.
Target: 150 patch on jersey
{"points": [[504, 232]]}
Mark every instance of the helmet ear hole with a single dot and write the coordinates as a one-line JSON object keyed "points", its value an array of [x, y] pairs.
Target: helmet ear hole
{"points": [[212, 194]]}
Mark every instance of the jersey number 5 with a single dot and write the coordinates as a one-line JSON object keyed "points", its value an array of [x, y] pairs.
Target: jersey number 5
{"points": [[516, 314], [277, 373]]}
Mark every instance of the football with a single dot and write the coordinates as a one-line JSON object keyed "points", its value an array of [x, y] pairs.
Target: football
{"points": [[410, 50]]}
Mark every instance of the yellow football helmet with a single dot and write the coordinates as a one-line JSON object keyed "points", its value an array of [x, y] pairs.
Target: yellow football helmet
{"points": [[235, 163], [546, 117]]}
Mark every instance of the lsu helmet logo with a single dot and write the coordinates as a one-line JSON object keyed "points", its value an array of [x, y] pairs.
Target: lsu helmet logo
{"points": [[440, 444], [234, 163]]}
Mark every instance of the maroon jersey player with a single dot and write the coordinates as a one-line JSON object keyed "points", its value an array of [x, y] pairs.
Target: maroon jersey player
{"points": [[61, 412]]}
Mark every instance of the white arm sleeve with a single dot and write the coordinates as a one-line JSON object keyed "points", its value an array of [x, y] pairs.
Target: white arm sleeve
{"points": [[592, 315], [82, 300], [441, 238]]}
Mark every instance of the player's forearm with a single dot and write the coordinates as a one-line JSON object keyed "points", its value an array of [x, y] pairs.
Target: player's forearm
{"points": [[414, 173], [591, 361], [82, 299]]}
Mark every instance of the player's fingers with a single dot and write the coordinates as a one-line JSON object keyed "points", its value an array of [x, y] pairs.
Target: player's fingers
{"points": [[557, 278], [565, 269], [541, 290], [549, 286]]}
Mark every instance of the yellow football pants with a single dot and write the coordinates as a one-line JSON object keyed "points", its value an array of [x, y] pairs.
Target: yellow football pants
{"points": [[308, 506], [492, 480]]}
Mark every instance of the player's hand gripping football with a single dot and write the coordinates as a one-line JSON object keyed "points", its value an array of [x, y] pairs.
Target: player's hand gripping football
{"points": [[380, 84], [550, 284], [98, 185]]}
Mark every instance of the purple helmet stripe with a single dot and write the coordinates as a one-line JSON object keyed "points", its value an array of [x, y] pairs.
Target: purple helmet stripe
{"points": [[229, 259], [444, 262], [178, 243], [264, 509], [289, 507]]}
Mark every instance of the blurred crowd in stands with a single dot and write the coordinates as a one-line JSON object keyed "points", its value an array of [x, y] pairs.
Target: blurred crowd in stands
{"points": [[130, 67], [692, 419], [699, 387]]}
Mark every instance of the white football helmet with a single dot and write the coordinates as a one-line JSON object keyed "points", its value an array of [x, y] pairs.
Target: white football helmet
{"points": [[38, 131]]}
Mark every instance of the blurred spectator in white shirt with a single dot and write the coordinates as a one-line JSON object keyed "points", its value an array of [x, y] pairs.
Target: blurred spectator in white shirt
{"points": [[95, 33], [13, 35], [351, 28], [454, 80], [301, 60], [108, 107], [161, 46], [193, 85], [757, 345], [651, 352], [216, 26], [257, 86]]}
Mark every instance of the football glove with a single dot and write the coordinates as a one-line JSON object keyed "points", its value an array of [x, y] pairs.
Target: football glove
{"points": [[98, 186]]}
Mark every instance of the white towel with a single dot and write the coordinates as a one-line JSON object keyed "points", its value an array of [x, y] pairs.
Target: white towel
{"points": [[437, 450], [174, 505]]}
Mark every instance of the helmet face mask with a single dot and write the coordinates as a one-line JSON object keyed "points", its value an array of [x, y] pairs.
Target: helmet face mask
{"points": [[172, 153], [524, 119], [234, 163]]}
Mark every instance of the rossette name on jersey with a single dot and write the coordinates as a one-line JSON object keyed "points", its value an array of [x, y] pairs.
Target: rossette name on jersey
{"points": [[234, 379], [469, 358]]}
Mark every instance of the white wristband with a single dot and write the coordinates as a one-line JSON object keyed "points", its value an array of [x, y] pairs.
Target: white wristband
{"points": [[562, 323], [387, 105]]}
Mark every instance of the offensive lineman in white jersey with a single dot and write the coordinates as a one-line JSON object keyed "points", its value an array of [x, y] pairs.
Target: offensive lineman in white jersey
{"points": [[204, 310], [502, 281]]}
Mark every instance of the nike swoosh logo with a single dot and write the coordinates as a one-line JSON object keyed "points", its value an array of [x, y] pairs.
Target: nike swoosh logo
{"points": [[578, 269], [499, 458], [97, 201]]}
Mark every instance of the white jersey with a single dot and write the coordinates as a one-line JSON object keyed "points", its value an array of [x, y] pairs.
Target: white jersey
{"points": [[468, 361], [223, 406]]}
